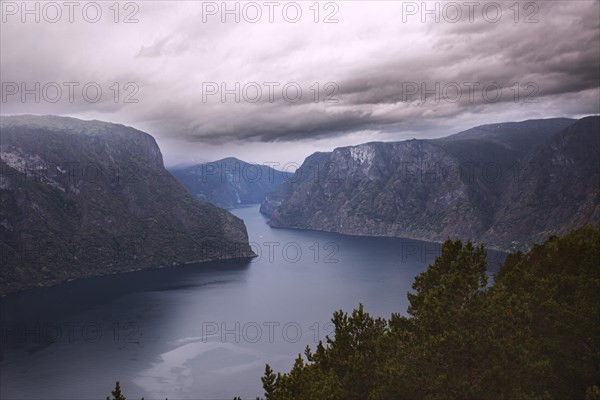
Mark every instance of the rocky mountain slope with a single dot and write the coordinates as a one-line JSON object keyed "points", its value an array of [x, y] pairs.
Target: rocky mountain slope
{"points": [[557, 190], [82, 198], [230, 182], [468, 185]]}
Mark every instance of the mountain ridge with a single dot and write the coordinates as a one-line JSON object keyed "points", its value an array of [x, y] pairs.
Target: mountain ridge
{"points": [[453, 188], [229, 182], [80, 202]]}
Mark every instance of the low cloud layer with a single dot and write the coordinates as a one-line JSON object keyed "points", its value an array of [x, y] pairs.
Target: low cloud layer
{"points": [[379, 73]]}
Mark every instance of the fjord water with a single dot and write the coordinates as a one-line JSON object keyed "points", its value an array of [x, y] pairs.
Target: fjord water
{"points": [[201, 331]]}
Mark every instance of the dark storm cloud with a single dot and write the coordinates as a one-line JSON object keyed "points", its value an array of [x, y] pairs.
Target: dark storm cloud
{"points": [[558, 58], [371, 55]]}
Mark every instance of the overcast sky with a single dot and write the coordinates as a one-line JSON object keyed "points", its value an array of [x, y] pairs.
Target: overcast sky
{"points": [[366, 70]]}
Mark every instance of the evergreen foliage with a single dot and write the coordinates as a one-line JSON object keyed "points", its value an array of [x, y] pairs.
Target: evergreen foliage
{"points": [[532, 335]]}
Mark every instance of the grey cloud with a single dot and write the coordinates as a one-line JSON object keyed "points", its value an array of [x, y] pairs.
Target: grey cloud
{"points": [[155, 49], [170, 53]]}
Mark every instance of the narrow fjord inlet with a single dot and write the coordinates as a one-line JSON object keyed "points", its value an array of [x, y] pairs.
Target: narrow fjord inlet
{"points": [[218, 323], [282, 200]]}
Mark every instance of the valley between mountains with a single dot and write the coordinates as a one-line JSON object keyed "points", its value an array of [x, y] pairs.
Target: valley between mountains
{"points": [[105, 203]]}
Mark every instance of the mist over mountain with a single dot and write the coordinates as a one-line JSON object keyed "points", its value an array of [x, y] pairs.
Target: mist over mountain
{"points": [[230, 182], [507, 185], [82, 198]]}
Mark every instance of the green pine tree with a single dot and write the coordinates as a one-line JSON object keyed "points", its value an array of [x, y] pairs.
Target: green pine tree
{"points": [[116, 393], [268, 382]]}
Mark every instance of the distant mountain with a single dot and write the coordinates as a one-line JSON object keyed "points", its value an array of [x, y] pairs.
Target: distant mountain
{"points": [[230, 182], [82, 198], [469, 185], [517, 137]]}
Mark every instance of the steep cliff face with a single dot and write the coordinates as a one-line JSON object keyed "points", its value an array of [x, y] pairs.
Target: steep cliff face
{"points": [[460, 186], [230, 182], [381, 189], [82, 198], [556, 189], [492, 153]]}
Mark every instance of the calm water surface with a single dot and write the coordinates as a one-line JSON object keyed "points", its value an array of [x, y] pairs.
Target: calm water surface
{"points": [[201, 331]]}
